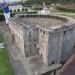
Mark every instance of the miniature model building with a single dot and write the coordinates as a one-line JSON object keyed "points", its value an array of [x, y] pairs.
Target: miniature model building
{"points": [[45, 10], [49, 36], [17, 7]]}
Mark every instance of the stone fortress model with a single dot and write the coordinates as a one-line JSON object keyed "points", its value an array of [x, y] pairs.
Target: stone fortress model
{"points": [[49, 36]]}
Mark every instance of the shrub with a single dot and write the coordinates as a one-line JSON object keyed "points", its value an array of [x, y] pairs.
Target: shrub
{"points": [[1, 11], [1, 17], [31, 12], [65, 9], [12, 14]]}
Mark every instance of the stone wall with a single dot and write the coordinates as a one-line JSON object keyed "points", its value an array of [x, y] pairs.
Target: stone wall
{"points": [[30, 40], [18, 37], [16, 8], [54, 45], [43, 44], [68, 41]]}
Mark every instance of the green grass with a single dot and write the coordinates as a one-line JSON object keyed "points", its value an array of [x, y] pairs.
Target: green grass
{"points": [[5, 66], [72, 15], [69, 14]]}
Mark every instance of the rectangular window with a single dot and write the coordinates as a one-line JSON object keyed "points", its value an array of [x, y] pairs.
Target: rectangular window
{"points": [[30, 45], [29, 35], [64, 32], [40, 30], [43, 32], [30, 50], [35, 45]]}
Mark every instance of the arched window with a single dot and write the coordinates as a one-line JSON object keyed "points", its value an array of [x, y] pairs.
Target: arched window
{"points": [[18, 10], [10, 10], [22, 9], [14, 10], [26, 9], [52, 62]]}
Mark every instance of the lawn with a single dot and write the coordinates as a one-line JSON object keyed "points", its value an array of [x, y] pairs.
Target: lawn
{"points": [[69, 14], [5, 66], [66, 13]]}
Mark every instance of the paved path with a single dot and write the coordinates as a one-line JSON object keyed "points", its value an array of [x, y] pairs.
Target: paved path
{"points": [[66, 13], [18, 69]]}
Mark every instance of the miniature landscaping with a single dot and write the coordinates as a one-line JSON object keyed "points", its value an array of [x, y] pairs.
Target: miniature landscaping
{"points": [[5, 66]]}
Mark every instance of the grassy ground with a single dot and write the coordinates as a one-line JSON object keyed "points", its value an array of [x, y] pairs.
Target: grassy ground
{"points": [[5, 66], [67, 14]]}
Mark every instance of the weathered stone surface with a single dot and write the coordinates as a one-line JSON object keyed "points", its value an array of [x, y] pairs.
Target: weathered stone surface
{"points": [[50, 36]]}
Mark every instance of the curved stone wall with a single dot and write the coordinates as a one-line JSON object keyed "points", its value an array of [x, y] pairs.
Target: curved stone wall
{"points": [[54, 43], [43, 16]]}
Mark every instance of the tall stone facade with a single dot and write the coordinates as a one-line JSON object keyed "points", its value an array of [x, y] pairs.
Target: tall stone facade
{"points": [[49, 36]]}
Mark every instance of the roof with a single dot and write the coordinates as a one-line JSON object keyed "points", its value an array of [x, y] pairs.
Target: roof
{"points": [[44, 21], [15, 4]]}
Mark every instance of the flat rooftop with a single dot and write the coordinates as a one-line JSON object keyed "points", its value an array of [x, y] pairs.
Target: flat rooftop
{"points": [[44, 21]]}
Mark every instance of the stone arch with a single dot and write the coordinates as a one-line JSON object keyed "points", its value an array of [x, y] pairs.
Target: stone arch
{"points": [[10, 10], [23, 9], [14, 10], [18, 10]]}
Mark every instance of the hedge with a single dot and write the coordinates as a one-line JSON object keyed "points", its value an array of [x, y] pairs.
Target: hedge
{"points": [[1, 11], [65, 9], [31, 12], [3, 18], [12, 14]]}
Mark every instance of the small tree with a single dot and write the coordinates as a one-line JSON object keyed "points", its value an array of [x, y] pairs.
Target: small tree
{"points": [[1, 11]]}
